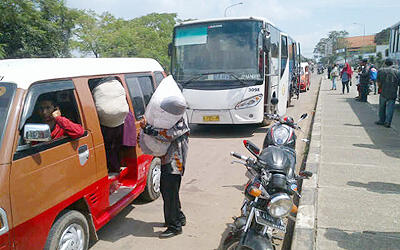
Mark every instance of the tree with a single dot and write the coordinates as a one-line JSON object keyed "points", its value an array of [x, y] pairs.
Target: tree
{"points": [[382, 37], [328, 46], [106, 36], [35, 28]]}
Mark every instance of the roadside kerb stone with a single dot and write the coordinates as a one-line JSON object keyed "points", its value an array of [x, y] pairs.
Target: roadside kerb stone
{"points": [[304, 235]]}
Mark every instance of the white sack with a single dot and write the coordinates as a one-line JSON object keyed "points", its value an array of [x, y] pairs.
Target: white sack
{"points": [[152, 146], [111, 104], [155, 115]]}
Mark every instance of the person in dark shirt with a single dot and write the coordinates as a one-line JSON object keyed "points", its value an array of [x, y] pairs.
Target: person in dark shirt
{"points": [[60, 126], [388, 81], [364, 81]]}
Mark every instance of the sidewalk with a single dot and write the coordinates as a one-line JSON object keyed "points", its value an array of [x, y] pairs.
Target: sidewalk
{"points": [[352, 200]]}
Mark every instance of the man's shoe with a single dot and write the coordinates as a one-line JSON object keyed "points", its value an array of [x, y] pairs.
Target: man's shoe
{"points": [[379, 123], [183, 223], [387, 125], [170, 233]]}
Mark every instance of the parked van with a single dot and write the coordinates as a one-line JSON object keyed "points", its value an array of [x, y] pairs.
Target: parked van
{"points": [[57, 193]]}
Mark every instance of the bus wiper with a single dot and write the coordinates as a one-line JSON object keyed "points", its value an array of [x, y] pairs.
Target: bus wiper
{"points": [[214, 73]]}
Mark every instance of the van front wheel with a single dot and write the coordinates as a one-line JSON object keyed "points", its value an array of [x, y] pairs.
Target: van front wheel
{"points": [[152, 189], [70, 231]]}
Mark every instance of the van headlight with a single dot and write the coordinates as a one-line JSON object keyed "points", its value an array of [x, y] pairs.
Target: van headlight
{"points": [[249, 102], [280, 135], [280, 205]]}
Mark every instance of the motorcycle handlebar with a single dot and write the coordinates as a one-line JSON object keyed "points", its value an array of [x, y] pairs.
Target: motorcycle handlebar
{"points": [[241, 157]]}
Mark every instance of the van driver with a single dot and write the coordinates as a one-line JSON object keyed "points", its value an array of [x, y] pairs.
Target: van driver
{"points": [[60, 126]]}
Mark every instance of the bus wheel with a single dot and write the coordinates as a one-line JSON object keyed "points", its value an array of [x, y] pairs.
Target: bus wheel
{"points": [[152, 189], [70, 231]]}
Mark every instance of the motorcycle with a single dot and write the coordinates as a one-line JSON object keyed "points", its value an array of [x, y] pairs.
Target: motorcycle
{"points": [[268, 193], [282, 132], [272, 183]]}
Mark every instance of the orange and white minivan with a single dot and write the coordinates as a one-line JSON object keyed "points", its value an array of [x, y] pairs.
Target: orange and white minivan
{"points": [[56, 194]]}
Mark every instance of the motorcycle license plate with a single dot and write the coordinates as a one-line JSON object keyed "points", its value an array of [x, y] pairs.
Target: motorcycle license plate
{"points": [[211, 118], [265, 219]]}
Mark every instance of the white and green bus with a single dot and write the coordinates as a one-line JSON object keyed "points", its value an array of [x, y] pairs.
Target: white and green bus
{"points": [[231, 68]]}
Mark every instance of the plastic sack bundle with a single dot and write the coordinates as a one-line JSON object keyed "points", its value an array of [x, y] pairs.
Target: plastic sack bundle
{"points": [[163, 111], [152, 146], [111, 104], [167, 117]]}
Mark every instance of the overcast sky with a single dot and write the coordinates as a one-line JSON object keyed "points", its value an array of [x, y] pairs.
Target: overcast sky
{"points": [[307, 21]]}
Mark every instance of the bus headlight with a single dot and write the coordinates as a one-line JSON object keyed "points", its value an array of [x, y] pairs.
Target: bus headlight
{"points": [[280, 205], [249, 102]]}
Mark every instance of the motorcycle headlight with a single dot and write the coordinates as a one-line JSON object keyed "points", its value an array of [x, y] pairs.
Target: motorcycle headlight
{"points": [[249, 102], [280, 135], [280, 205]]}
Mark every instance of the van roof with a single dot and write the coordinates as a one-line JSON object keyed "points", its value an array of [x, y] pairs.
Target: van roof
{"points": [[24, 72]]}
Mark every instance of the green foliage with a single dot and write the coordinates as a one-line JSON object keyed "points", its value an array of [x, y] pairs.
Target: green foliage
{"points": [[382, 37], [106, 36], [335, 41], [35, 28]]}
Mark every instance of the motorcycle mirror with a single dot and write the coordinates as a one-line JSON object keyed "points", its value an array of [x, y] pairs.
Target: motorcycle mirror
{"points": [[251, 147], [304, 116], [274, 101]]}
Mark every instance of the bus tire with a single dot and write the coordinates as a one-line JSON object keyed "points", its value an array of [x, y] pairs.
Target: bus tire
{"points": [[152, 190], [70, 230]]}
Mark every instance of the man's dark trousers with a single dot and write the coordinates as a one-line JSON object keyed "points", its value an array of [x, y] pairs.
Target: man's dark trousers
{"points": [[170, 185], [363, 92]]}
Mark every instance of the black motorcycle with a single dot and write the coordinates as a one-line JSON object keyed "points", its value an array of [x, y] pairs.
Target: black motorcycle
{"points": [[268, 197], [282, 132]]}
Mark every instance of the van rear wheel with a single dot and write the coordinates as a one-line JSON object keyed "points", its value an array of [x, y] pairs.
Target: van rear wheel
{"points": [[152, 189], [69, 231]]}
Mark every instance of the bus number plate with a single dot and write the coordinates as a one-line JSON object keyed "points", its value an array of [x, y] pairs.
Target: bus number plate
{"points": [[211, 118]]}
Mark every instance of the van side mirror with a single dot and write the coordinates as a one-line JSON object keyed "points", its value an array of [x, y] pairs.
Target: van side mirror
{"points": [[386, 52], [170, 49], [267, 43], [36, 132]]}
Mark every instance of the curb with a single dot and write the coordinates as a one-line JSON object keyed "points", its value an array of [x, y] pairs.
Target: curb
{"points": [[304, 235]]}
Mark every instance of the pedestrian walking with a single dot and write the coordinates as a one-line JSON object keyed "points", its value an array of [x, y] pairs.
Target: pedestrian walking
{"points": [[373, 74], [172, 166], [364, 81], [329, 71], [346, 75], [388, 80], [334, 76]]}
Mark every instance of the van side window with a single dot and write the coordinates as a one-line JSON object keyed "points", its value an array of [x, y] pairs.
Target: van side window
{"points": [[140, 90], [41, 102], [159, 77]]}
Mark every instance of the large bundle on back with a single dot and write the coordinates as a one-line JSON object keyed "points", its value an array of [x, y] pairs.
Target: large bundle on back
{"points": [[110, 99], [165, 109]]}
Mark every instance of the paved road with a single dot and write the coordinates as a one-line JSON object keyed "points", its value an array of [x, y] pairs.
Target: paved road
{"points": [[211, 191]]}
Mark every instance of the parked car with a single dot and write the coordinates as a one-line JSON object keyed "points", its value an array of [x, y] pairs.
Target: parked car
{"points": [[61, 187], [304, 77]]}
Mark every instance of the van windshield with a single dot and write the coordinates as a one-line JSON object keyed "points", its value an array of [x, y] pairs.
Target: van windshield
{"points": [[7, 91]]}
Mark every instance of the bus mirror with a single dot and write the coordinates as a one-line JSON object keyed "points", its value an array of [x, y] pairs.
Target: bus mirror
{"points": [[267, 43], [170, 49], [274, 101], [386, 52]]}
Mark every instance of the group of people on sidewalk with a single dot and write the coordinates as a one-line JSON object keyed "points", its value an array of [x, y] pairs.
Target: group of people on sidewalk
{"points": [[385, 81]]}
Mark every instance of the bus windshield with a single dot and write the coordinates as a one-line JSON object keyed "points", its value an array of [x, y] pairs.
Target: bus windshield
{"points": [[7, 91], [227, 47]]}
